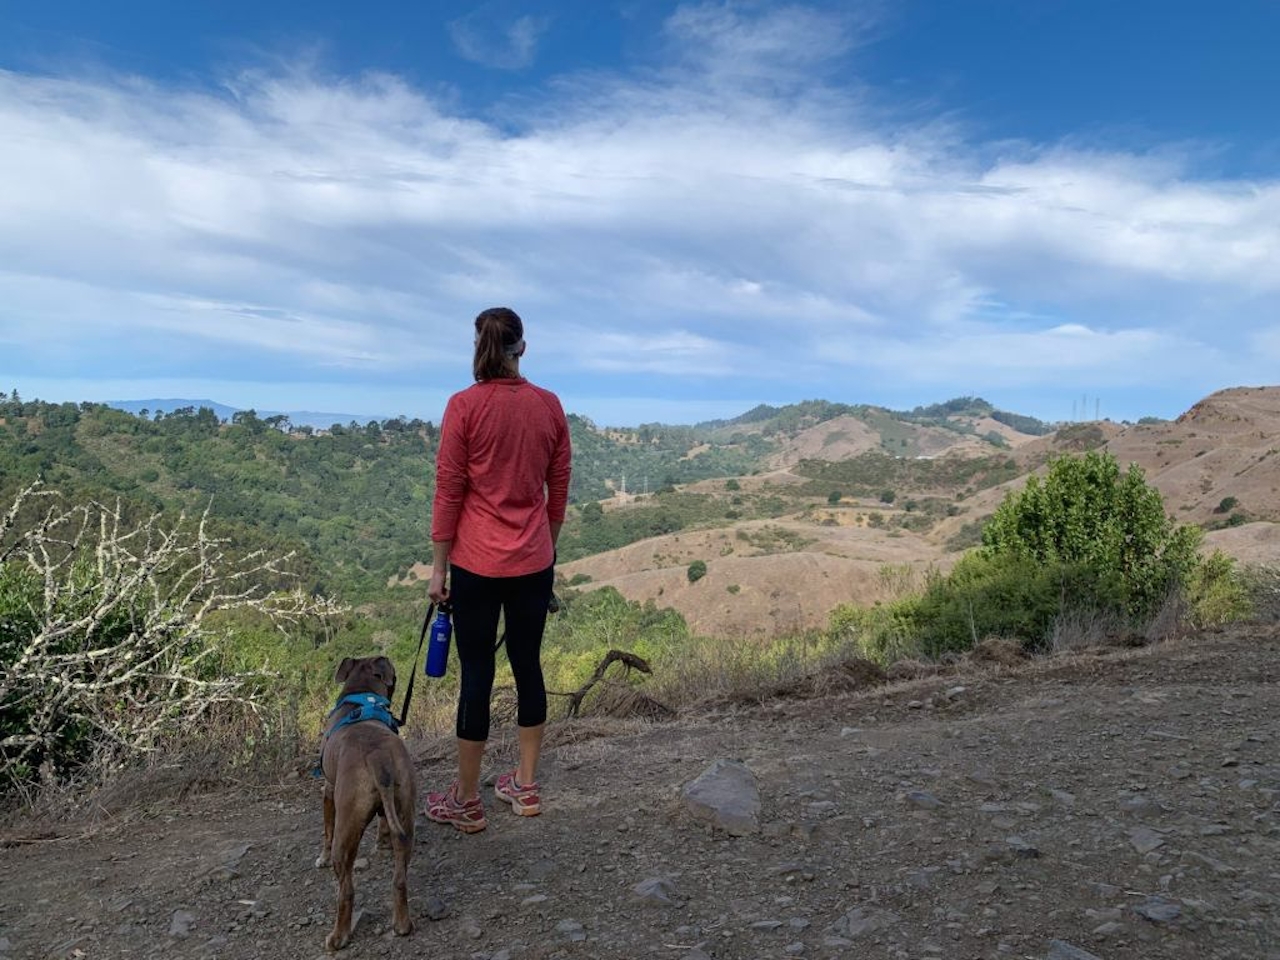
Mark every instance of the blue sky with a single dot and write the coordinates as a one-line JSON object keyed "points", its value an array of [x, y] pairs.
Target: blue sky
{"points": [[696, 207]]}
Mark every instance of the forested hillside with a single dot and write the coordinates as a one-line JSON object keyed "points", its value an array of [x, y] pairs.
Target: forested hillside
{"points": [[353, 501]]}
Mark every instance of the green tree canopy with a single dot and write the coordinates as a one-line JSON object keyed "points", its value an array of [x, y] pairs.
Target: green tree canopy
{"points": [[1086, 512]]}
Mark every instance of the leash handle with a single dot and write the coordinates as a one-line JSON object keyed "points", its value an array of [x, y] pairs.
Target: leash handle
{"points": [[413, 672]]}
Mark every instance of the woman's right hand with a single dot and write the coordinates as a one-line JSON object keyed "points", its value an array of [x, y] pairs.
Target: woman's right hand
{"points": [[438, 591]]}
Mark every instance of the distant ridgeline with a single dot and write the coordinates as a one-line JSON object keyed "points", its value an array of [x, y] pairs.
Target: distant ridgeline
{"points": [[797, 416], [354, 501]]}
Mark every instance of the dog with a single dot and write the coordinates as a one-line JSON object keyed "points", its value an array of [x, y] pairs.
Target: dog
{"points": [[367, 773]]}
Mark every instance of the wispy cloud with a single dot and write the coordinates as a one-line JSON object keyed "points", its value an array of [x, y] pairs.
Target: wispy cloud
{"points": [[665, 223], [503, 45]]}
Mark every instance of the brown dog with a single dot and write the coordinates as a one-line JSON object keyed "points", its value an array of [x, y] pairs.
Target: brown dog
{"points": [[367, 772]]}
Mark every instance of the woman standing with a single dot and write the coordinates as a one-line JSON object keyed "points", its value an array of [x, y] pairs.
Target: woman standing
{"points": [[502, 484]]}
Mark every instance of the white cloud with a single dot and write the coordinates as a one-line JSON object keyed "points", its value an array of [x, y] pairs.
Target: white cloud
{"points": [[480, 38], [675, 224]]}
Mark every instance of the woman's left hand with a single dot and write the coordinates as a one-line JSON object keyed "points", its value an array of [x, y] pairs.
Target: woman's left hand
{"points": [[438, 591]]}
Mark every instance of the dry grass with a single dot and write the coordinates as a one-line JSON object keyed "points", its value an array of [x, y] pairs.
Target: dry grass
{"points": [[1078, 628]]}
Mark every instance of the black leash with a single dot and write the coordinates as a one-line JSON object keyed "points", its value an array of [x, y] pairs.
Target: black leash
{"points": [[553, 606], [422, 638]]}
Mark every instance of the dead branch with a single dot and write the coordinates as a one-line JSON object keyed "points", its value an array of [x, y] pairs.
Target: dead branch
{"points": [[112, 630], [629, 662]]}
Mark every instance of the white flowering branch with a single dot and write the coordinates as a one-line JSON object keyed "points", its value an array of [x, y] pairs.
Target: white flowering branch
{"points": [[106, 629]]}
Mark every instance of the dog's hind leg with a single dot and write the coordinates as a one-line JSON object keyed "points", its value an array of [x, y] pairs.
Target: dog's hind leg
{"points": [[326, 856], [384, 834], [399, 823], [346, 843]]}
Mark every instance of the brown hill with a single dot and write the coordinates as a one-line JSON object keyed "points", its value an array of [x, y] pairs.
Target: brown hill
{"points": [[776, 576], [763, 577], [1227, 445], [843, 438]]}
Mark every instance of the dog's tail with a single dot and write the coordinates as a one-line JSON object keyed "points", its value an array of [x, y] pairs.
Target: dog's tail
{"points": [[385, 779]]}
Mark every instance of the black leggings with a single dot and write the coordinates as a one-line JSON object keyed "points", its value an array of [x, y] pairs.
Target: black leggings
{"points": [[476, 603]]}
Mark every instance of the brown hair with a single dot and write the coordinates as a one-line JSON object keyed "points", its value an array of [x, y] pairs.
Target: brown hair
{"points": [[499, 340]]}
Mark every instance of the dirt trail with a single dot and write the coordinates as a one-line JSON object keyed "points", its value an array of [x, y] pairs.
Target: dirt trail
{"points": [[1124, 804]]}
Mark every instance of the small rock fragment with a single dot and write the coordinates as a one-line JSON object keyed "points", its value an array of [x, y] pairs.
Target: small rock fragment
{"points": [[1158, 910], [655, 890], [180, 924], [1061, 950]]}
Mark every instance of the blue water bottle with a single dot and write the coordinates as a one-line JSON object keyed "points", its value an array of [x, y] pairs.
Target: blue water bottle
{"points": [[438, 646]]}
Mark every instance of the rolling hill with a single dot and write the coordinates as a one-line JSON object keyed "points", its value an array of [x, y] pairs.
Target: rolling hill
{"points": [[1217, 465]]}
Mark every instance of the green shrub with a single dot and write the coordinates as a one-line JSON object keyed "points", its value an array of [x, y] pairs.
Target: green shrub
{"points": [[697, 570], [834, 497], [732, 484], [1226, 505], [1216, 592], [1004, 596], [887, 496], [884, 633], [1087, 514]]}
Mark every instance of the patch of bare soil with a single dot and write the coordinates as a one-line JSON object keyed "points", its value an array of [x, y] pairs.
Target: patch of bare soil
{"points": [[763, 576], [841, 438], [1123, 804], [1255, 543]]}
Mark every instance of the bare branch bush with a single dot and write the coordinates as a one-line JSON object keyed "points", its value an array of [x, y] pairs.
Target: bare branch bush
{"points": [[109, 638]]}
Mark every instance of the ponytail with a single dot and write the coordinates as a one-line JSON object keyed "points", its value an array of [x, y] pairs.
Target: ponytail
{"points": [[499, 340]]}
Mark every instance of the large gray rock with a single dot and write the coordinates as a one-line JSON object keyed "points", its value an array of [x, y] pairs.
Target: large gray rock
{"points": [[725, 795]]}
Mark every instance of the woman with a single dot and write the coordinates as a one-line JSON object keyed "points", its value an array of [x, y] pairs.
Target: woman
{"points": [[502, 483]]}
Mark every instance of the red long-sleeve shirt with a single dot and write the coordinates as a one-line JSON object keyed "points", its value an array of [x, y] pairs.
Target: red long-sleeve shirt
{"points": [[502, 477]]}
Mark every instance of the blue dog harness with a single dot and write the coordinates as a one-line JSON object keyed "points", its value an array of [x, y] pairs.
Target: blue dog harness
{"points": [[369, 706]]}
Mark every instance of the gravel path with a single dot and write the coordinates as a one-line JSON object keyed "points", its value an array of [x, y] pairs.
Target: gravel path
{"points": [[1115, 805]]}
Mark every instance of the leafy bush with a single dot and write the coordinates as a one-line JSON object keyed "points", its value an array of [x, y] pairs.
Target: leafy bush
{"points": [[887, 496], [1003, 596], [1217, 593], [833, 497], [884, 633], [1087, 514], [697, 570], [1088, 540], [1226, 505]]}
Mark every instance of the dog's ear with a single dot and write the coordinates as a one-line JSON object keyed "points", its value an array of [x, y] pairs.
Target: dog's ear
{"points": [[385, 671], [344, 669]]}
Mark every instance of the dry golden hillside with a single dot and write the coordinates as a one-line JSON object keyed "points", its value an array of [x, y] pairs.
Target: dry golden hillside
{"points": [[788, 574]]}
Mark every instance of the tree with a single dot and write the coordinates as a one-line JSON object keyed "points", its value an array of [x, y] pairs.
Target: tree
{"points": [[697, 570], [1086, 513], [834, 497]]}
